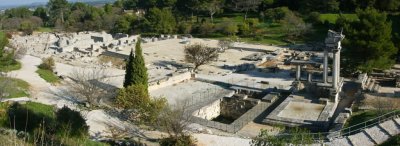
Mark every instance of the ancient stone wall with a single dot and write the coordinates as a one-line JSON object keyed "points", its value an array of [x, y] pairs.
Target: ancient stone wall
{"points": [[210, 111]]}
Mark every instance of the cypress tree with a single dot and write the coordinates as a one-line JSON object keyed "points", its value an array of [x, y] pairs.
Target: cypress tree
{"points": [[136, 71], [139, 76], [129, 70]]}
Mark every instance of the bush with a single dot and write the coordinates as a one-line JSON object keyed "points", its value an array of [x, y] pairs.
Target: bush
{"points": [[185, 28], [277, 14], [206, 28], [47, 64], [141, 108], [244, 29], [253, 22], [229, 28], [314, 18], [68, 119], [185, 140]]}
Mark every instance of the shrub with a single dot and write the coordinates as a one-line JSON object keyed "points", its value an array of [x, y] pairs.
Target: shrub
{"points": [[184, 140], [141, 108], [47, 64], [206, 28], [185, 28], [244, 29], [277, 14], [313, 17], [230, 28], [73, 120]]}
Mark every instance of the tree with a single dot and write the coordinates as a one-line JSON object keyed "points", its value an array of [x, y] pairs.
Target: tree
{"points": [[175, 120], [136, 71], [199, 54], [212, 7], [295, 26], [225, 44], [246, 6], [370, 35], [41, 13], [160, 21], [388, 5], [57, 10], [89, 85]]}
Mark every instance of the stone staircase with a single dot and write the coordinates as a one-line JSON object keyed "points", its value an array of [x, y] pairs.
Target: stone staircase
{"points": [[370, 136]]}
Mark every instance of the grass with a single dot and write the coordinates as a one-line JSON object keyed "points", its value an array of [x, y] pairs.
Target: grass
{"points": [[361, 116], [40, 109], [12, 67], [331, 18], [16, 87], [48, 75]]}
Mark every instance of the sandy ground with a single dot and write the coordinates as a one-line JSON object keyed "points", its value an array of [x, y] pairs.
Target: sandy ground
{"points": [[301, 110]]}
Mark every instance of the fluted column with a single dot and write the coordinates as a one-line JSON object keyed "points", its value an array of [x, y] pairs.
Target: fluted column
{"points": [[325, 74], [334, 72], [298, 73]]}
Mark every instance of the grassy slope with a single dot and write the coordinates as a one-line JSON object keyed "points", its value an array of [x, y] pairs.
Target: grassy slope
{"points": [[331, 18], [17, 88], [47, 75]]}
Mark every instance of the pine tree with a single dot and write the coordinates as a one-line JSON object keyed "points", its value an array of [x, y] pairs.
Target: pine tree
{"points": [[139, 76], [368, 42], [129, 70]]}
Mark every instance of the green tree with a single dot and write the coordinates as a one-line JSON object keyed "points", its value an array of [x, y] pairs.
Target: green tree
{"points": [[21, 12], [160, 21], [124, 24], [41, 13], [58, 10], [129, 70], [136, 71], [371, 36]]}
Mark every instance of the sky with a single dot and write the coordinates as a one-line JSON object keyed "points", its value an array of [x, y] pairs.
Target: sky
{"points": [[19, 2]]}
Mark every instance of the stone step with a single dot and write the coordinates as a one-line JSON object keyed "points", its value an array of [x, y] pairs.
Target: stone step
{"points": [[339, 142], [397, 120], [377, 134], [390, 127], [361, 139]]}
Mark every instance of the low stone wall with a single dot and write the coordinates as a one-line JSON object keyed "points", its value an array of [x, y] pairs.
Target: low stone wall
{"points": [[168, 81], [210, 111], [238, 123]]}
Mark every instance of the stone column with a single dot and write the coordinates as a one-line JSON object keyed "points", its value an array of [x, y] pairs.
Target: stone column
{"points": [[325, 73], [334, 72], [298, 72], [338, 66]]}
